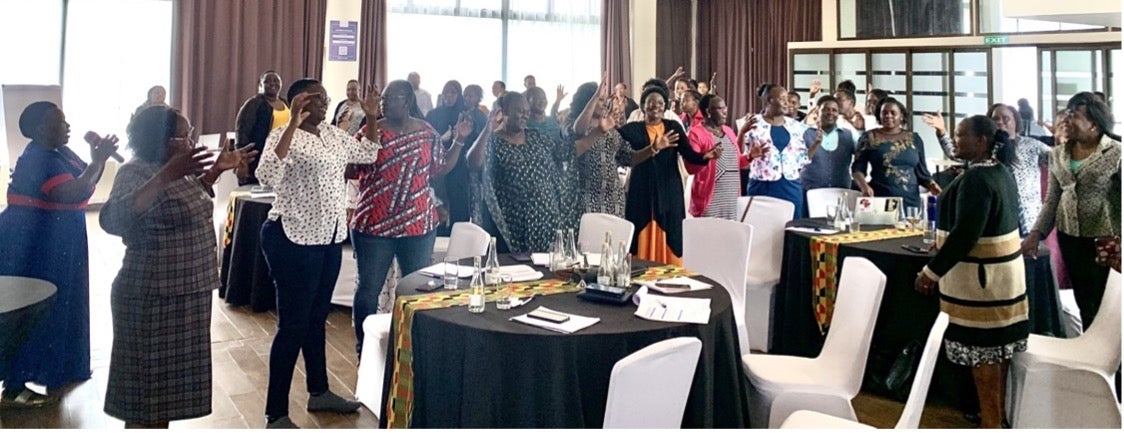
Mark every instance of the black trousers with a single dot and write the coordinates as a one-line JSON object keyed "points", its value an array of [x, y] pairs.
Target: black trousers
{"points": [[1089, 278]]}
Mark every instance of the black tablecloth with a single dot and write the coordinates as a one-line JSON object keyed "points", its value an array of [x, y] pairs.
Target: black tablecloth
{"points": [[244, 272], [904, 315], [483, 371]]}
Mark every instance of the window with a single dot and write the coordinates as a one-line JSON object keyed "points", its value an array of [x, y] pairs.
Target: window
{"points": [[478, 42], [866, 19], [993, 20], [32, 31], [102, 87]]}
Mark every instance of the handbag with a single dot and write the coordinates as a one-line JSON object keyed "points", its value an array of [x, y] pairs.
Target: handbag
{"points": [[892, 374], [1108, 250]]}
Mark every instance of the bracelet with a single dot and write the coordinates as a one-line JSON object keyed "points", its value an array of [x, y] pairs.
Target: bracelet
{"points": [[654, 150]]}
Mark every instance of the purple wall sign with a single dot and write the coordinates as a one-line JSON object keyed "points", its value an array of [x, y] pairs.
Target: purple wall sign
{"points": [[342, 38]]}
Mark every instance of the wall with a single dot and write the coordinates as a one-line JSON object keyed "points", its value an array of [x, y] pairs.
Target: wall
{"points": [[643, 15], [336, 74]]}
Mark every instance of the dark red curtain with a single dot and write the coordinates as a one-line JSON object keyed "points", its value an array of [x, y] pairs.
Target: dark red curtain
{"points": [[673, 37], [746, 43], [221, 48], [616, 46], [372, 43]]}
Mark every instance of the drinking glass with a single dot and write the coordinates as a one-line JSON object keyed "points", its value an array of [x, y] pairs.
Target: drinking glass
{"points": [[450, 270], [831, 208], [503, 297], [930, 233], [913, 215]]}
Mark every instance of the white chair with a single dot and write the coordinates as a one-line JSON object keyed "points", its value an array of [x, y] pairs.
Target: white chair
{"points": [[820, 198], [1069, 383], [911, 414], [465, 240], [648, 389], [224, 185], [828, 382], [768, 216], [592, 228], [720, 249]]}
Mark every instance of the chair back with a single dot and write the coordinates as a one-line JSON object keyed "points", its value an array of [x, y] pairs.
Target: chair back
{"points": [[911, 415], [1101, 341], [768, 216], [467, 240], [648, 389], [820, 198], [224, 185], [719, 249], [592, 228], [856, 309]]}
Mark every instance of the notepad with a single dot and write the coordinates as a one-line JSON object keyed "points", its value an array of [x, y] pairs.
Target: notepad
{"points": [[520, 273], [671, 309], [693, 285], [813, 230], [575, 324], [438, 270]]}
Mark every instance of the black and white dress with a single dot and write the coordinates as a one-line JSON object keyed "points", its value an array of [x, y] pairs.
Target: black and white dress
{"points": [[600, 187], [525, 189]]}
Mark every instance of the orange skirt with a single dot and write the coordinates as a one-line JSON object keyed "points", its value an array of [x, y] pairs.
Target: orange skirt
{"points": [[653, 246]]}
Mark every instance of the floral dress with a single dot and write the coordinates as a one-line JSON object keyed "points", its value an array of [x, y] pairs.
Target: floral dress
{"points": [[896, 163], [777, 173], [525, 189]]}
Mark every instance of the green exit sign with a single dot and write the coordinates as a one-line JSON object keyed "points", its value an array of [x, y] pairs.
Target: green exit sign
{"points": [[995, 40]]}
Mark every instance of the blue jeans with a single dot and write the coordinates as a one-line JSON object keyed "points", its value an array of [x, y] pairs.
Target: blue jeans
{"points": [[373, 257], [305, 276]]}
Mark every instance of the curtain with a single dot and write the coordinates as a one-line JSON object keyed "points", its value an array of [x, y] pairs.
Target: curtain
{"points": [[616, 47], [746, 43], [909, 18], [372, 43], [221, 48], [673, 38]]}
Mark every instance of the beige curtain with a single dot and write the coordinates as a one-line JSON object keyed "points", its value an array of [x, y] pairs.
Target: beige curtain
{"points": [[616, 47]]}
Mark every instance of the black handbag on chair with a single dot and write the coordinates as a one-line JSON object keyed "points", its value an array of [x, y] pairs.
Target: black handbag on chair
{"points": [[892, 374]]}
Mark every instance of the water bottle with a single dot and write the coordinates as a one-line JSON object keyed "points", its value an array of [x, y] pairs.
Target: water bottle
{"points": [[492, 266], [840, 222], [558, 252], [624, 267], [605, 271], [572, 254], [931, 208], [476, 294]]}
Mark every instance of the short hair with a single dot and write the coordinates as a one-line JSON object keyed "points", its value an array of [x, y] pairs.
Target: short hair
{"points": [[1101, 95], [654, 89], [473, 88], [848, 95], [500, 83], [507, 99], [878, 93], [825, 99], [704, 103], [901, 107], [528, 76], [299, 87], [847, 85], [655, 82], [694, 94], [150, 131], [581, 98], [352, 81], [536, 90], [793, 93], [998, 142], [33, 117], [764, 89], [413, 74], [1098, 112]]}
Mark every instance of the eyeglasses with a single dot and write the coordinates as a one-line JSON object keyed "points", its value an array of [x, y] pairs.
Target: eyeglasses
{"points": [[400, 98]]}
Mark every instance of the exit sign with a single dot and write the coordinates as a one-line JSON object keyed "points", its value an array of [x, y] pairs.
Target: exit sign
{"points": [[995, 40]]}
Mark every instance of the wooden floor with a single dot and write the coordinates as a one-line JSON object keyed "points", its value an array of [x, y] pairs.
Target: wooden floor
{"points": [[240, 350]]}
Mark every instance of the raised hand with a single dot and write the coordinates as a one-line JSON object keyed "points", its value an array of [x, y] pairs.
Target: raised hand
{"points": [[560, 93], [101, 148], [813, 117], [679, 72], [496, 119], [229, 159], [187, 162], [936, 121], [463, 127], [371, 102], [817, 85], [671, 139], [299, 102]]}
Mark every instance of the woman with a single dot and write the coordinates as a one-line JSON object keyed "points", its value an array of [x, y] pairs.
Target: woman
{"points": [[717, 185], [349, 112], [258, 116], [524, 187], [596, 143], [1083, 199], [538, 119], [692, 115], [43, 233], [777, 150], [831, 164], [302, 239], [161, 205], [982, 281], [655, 193], [396, 215], [156, 95], [453, 189], [897, 156]]}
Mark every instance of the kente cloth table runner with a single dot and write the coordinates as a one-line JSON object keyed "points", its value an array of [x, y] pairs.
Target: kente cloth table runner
{"points": [[228, 230], [825, 266], [399, 402]]}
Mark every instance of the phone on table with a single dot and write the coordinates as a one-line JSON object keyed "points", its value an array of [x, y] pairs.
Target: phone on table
{"points": [[548, 316], [521, 257], [673, 286]]}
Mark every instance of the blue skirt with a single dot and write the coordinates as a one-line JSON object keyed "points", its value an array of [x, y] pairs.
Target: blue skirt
{"points": [[784, 189]]}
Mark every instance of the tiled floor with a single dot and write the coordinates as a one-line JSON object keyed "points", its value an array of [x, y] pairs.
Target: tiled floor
{"points": [[240, 351]]}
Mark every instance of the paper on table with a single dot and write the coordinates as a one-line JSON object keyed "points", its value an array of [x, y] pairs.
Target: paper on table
{"points": [[693, 283], [264, 194], [813, 230], [540, 259], [520, 273], [669, 309], [438, 270], [575, 324]]}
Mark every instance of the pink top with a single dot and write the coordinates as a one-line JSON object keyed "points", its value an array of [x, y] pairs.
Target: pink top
{"points": [[702, 141]]}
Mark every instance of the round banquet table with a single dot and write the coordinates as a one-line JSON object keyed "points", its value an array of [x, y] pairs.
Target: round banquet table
{"points": [[904, 314], [484, 371], [244, 274]]}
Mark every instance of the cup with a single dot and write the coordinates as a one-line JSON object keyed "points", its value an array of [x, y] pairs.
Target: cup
{"points": [[450, 270], [855, 226], [503, 297], [831, 209], [930, 232]]}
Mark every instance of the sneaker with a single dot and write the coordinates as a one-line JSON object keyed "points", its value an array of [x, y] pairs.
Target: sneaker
{"points": [[329, 402], [27, 399], [283, 422]]}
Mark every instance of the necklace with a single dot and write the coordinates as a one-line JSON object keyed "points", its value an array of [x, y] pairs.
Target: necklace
{"points": [[990, 162]]}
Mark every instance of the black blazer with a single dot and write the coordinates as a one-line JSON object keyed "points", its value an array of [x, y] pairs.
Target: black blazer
{"points": [[655, 190], [253, 126]]}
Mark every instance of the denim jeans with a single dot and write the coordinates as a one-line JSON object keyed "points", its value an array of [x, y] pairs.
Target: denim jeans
{"points": [[305, 276], [373, 257]]}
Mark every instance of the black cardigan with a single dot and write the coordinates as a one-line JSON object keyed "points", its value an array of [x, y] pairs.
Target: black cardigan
{"points": [[655, 190], [252, 126]]}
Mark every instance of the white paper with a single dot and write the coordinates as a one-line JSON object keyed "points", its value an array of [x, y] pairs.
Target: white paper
{"points": [[813, 230], [575, 324], [695, 285], [438, 270], [269, 194], [521, 273], [540, 259], [593, 259], [669, 309]]}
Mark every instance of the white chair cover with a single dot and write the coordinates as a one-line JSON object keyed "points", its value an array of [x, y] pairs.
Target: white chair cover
{"points": [[820, 198], [467, 240], [591, 231], [720, 249], [768, 216], [648, 389]]}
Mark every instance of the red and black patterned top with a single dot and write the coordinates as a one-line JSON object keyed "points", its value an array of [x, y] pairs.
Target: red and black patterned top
{"points": [[395, 199]]}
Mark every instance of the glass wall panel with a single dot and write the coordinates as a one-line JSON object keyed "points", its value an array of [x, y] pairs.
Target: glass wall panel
{"points": [[930, 95], [851, 66], [807, 68], [970, 85]]}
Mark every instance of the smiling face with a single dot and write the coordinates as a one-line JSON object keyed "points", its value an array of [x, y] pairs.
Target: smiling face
{"points": [[829, 114], [317, 105], [621, 90], [449, 94], [353, 91], [777, 101], [1005, 119], [515, 115], [717, 111], [891, 116], [654, 106], [793, 104], [1080, 126], [680, 87], [270, 84]]}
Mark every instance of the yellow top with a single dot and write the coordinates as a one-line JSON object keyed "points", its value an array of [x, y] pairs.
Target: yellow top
{"points": [[280, 118]]}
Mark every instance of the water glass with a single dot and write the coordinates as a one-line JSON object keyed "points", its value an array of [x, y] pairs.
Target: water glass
{"points": [[930, 233], [913, 215], [831, 208], [503, 297], [450, 269], [855, 227]]}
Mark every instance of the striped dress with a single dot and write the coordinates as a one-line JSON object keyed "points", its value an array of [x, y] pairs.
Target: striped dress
{"points": [[980, 268]]}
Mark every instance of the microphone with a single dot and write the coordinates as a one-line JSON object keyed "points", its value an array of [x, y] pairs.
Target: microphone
{"points": [[93, 137]]}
